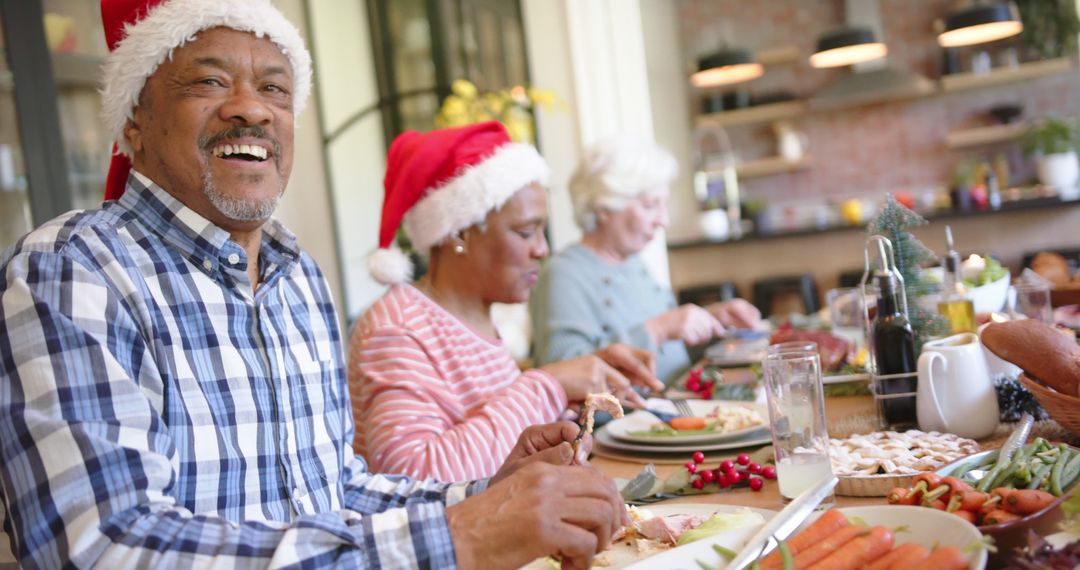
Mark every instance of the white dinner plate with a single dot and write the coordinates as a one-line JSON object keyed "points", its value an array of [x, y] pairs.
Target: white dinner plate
{"points": [[621, 555], [761, 436], [640, 420]]}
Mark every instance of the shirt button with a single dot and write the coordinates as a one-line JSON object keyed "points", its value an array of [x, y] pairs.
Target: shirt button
{"points": [[607, 302], [234, 259], [605, 328], [207, 264], [607, 281], [296, 491]]}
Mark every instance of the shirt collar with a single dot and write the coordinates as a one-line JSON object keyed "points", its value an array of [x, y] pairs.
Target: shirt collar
{"points": [[206, 245]]}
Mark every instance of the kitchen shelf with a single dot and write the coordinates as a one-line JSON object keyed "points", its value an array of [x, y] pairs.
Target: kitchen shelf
{"points": [[947, 84], [755, 114], [1000, 76], [1030, 204], [979, 136], [769, 166]]}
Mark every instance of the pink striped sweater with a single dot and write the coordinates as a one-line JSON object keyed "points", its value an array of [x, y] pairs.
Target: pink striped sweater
{"points": [[433, 398]]}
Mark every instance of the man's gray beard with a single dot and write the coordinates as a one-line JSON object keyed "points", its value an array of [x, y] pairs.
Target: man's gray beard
{"points": [[240, 210]]}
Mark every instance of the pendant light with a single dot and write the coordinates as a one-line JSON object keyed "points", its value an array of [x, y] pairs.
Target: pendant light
{"points": [[847, 46], [980, 24], [726, 67]]}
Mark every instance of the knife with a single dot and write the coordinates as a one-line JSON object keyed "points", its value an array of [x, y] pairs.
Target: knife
{"points": [[784, 523], [1016, 439]]}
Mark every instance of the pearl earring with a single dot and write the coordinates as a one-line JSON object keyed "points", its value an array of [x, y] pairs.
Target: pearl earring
{"points": [[459, 249]]}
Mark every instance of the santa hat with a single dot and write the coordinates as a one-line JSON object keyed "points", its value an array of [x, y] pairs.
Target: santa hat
{"points": [[141, 34], [442, 182]]}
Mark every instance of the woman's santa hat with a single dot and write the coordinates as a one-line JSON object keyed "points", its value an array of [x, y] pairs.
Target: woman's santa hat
{"points": [[141, 34], [444, 181]]}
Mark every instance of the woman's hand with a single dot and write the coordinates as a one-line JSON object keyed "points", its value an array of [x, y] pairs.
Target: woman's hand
{"points": [[737, 313], [688, 323], [637, 364], [589, 374]]}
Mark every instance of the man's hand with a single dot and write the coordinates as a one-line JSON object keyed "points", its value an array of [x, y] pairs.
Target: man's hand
{"points": [[637, 364], [547, 443], [541, 510]]}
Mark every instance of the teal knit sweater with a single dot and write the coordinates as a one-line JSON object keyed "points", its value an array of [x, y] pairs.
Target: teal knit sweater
{"points": [[583, 303]]}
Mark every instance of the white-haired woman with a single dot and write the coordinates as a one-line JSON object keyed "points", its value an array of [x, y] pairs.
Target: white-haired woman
{"points": [[599, 292]]}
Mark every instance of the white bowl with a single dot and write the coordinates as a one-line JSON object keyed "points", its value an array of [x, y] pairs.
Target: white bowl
{"points": [[987, 299]]}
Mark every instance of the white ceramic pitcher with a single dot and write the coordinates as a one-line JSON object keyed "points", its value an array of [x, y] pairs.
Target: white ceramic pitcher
{"points": [[956, 394]]}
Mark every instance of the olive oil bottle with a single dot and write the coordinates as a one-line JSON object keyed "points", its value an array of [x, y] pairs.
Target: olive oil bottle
{"points": [[955, 304]]}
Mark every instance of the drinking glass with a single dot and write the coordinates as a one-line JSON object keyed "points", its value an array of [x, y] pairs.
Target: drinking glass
{"points": [[1033, 301], [796, 404]]}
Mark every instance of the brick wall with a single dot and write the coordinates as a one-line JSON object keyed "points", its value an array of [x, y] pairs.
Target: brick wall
{"points": [[862, 151]]}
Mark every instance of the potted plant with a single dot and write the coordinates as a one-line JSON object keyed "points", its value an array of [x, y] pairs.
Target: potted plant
{"points": [[1054, 142]]}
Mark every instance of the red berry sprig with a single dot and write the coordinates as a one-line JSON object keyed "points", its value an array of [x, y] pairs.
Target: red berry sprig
{"points": [[700, 382], [728, 474]]}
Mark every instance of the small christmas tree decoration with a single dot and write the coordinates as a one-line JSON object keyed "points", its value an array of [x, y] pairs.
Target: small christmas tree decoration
{"points": [[893, 222]]}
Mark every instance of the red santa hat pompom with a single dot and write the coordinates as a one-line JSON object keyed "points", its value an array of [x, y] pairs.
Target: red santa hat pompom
{"points": [[141, 34], [444, 181]]}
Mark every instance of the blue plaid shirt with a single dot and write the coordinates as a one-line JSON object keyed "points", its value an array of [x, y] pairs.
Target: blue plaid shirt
{"points": [[159, 414]]}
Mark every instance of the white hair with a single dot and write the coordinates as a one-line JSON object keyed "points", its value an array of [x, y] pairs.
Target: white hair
{"points": [[616, 171]]}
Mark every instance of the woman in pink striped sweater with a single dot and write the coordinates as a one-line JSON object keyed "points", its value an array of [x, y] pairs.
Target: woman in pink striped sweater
{"points": [[435, 393]]}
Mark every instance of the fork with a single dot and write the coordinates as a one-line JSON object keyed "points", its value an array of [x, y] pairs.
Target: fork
{"points": [[682, 406]]}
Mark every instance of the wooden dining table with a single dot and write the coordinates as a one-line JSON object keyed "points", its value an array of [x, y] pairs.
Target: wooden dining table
{"points": [[839, 412]]}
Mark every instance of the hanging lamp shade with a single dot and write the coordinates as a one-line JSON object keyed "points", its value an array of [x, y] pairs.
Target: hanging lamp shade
{"points": [[980, 24], [725, 68], [847, 46]]}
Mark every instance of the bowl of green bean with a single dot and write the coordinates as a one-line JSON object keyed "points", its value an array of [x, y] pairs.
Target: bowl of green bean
{"points": [[1050, 467]]}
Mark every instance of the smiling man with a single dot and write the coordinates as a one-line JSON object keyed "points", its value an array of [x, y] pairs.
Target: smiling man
{"points": [[172, 385]]}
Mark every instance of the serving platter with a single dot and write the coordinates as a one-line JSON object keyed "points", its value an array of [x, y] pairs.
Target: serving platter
{"points": [[623, 555], [628, 428]]}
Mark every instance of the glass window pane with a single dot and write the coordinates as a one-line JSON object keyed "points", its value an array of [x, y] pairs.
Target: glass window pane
{"points": [[410, 34], [418, 112], [15, 217], [77, 43]]}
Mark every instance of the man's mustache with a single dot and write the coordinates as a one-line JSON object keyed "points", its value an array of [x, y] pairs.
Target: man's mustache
{"points": [[240, 132]]}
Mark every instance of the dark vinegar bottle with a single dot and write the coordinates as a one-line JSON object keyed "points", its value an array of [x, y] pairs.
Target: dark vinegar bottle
{"points": [[894, 353]]}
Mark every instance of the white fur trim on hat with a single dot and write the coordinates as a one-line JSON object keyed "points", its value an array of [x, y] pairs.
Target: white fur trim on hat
{"points": [[466, 199], [170, 25], [390, 266]]}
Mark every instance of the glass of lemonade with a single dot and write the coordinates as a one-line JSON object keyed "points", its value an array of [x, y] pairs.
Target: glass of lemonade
{"points": [[796, 402]]}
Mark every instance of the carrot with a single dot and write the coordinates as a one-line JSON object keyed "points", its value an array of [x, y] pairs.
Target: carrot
{"points": [[945, 558], [912, 558], [969, 516], [932, 479], [825, 525], [857, 553], [897, 495], [1027, 501], [998, 516], [829, 545], [897, 553], [937, 504], [686, 423], [1002, 492], [972, 500], [955, 486]]}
